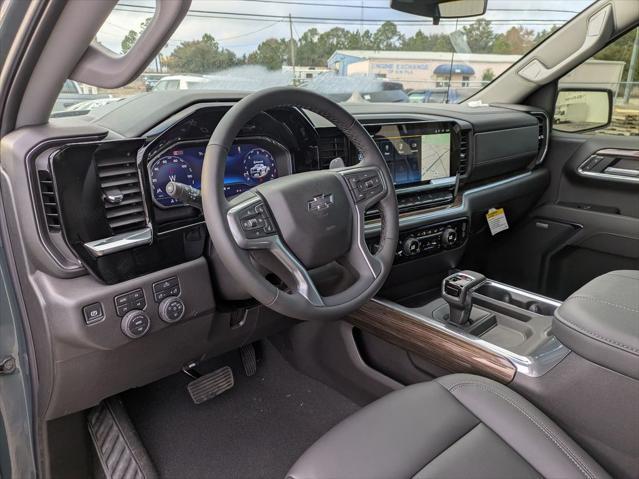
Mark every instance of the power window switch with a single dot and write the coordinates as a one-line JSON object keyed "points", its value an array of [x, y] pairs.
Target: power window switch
{"points": [[93, 313]]}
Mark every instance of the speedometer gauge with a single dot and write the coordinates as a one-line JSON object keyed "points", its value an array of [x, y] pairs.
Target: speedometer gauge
{"points": [[259, 166], [165, 169]]}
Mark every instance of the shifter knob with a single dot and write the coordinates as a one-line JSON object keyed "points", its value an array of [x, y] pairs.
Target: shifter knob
{"points": [[457, 292]]}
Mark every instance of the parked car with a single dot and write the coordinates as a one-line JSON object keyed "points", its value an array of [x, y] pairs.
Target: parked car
{"points": [[179, 82], [71, 94]]}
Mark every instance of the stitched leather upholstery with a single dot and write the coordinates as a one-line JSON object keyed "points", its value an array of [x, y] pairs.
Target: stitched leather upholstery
{"points": [[600, 322], [456, 426]]}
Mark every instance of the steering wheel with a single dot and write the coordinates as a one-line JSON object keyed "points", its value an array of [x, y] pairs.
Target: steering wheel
{"points": [[300, 222]]}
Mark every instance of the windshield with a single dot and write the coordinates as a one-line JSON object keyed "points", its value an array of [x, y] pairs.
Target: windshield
{"points": [[348, 50]]}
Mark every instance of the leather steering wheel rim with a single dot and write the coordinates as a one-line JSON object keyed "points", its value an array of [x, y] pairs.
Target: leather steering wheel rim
{"points": [[235, 250]]}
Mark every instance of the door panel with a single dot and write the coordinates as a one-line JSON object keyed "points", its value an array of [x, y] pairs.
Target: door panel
{"points": [[582, 227]]}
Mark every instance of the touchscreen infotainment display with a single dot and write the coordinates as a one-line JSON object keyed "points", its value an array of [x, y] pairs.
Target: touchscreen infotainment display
{"points": [[416, 154]]}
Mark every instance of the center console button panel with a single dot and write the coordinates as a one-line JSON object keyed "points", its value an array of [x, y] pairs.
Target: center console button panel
{"points": [[428, 240], [165, 288], [129, 301]]}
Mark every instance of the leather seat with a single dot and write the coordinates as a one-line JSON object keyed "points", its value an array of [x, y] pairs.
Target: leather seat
{"points": [[457, 426]]}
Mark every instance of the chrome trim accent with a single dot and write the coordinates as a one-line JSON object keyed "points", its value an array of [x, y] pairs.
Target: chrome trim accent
{"points": [[542, 360], [512, 289], [374, 226], [434, 184], [542, 157], [190, 225], [606, 176], [120, 242], [621, 171], [303, 282], [360, 209]]}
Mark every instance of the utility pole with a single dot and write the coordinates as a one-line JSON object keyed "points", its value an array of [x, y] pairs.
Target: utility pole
{"points": [[292, 44], [631, 70]]}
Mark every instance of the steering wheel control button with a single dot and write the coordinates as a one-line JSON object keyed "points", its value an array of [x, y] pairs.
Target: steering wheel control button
{"points": [[129, 301], [256, 222], [364, 184], [135, 324], [165, 288], [93, 313], [171, 309]]}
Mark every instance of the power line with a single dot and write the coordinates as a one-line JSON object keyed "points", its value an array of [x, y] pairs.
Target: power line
{"points": [[369, 7], [340, 21]]}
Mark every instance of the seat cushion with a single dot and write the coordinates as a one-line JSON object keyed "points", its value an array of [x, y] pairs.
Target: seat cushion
{"points": [[600, 321], [456, 426]]}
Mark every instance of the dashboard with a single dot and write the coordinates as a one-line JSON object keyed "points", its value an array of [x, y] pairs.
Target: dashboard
{"points": [[140, 228]]}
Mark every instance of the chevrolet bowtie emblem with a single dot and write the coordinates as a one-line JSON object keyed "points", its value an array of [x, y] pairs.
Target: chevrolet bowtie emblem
{"points": [[320, 203]]}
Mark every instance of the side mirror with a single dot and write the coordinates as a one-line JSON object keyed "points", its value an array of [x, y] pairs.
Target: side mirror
{"points": [[437, 9], [581, 109]]}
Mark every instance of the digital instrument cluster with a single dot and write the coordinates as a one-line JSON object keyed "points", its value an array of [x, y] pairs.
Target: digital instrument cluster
{"points": [[248, 164]]}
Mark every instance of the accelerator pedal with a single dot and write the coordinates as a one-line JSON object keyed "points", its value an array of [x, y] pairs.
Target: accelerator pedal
{"points": [[249, 361], [211, 385]]}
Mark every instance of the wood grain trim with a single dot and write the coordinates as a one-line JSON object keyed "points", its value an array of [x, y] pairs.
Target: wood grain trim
{"points": [[443, 349]]}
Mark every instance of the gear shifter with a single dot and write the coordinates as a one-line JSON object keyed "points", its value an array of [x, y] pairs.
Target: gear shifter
{"points": [[456, 290]]}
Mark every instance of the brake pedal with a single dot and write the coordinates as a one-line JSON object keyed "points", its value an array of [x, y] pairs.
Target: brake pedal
{"points": [[247, 352], [211, 385]]}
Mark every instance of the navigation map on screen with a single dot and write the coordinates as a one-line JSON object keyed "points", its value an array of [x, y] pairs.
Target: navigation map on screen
{"points": [[416, 158]]}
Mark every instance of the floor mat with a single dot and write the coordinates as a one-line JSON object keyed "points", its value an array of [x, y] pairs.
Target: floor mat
{"points": [[256, 430]]}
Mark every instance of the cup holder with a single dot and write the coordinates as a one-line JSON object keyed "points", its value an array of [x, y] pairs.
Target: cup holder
{"points": [[518, 298]]}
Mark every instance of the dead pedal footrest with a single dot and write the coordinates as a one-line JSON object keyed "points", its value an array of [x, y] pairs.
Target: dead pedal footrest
{"points": [[211, 385], [120, 451]]}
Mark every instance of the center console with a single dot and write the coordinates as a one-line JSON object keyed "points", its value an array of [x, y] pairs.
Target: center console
{"points": [[471, 324]]}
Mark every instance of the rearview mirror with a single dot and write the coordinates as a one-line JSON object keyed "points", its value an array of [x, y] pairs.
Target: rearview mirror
{"points": [[581, 109], [437, 9]]}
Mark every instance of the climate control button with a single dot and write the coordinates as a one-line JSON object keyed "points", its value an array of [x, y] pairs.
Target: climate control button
{"points": [[411, 246], [449, 237], [171, 309]]}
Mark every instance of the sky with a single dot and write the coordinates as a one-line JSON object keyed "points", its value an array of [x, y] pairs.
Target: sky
{"points": [[244, 32]]}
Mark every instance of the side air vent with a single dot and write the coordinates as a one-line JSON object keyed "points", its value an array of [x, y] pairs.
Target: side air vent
{"points": [[332, 144], [121, 193], [49, 200], [542, 138], [464, 151]]}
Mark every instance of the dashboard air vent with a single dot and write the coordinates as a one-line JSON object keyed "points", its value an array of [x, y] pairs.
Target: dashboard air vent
{"points": [[464, 140], [332, 144], [121, 193], [49, 200], [542, 138]]}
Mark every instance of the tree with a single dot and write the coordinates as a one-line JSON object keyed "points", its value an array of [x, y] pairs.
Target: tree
{"points": [[271, 53], [130, 38], [517, 40], [387, 37], [200, 56], [480, 36], [621, 50], [488, 75]]}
